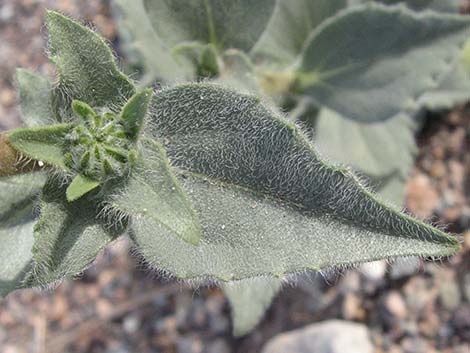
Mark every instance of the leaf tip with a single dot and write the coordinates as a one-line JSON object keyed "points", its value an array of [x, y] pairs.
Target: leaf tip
{"points": [[80, 186]]}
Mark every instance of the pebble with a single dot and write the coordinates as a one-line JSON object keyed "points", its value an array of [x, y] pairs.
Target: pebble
{"points": [[404, 267], [422, 197], [395, 304], [331, 336]]}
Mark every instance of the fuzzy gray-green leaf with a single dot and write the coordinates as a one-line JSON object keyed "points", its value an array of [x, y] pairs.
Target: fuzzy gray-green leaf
{"points": [[365, 75], [249, 300], [16, 228], [35, 98], [68, 236], [291, 24], [134, 112], [152, 192], [267, 203], [87, 68], [225, 24], [42, 143]]}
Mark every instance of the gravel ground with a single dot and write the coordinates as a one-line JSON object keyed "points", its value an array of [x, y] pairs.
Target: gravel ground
{"points": [[118, 307]]}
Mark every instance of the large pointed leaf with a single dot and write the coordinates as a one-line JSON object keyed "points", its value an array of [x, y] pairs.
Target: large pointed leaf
{"points": [[137, 34], [249, 300], [35, 98], [164, 202], [365, 75], [289, 27], [42, 143], [68, 236], [87, 68], [226, 24], [16, 229], [267, 203]]}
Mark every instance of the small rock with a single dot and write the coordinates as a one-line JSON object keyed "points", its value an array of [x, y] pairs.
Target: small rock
{"points": [[466, 286], [461, 322], [404, 267], [131, 324], [218, 346], [395, 305], [422, 197], [449, 294], [464, 348], [416, 345], [332, 336], [351, 308], [189, 345], [374, 271]]}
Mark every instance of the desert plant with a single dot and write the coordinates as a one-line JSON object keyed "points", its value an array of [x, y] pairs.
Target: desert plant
{"points": [[210, 184]]}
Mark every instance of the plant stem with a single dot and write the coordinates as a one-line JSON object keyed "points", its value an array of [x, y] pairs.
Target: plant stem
{"points": [[10, 160]]}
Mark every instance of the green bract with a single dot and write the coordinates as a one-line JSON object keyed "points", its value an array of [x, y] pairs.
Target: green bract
{"points": [[209, 180]]}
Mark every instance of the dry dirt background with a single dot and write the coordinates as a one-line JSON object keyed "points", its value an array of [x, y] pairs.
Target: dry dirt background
{"points": [[118, 307]]}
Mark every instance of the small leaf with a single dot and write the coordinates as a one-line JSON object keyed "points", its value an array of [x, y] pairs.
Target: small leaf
{"points": [[87, 68], [249, 300], [68, 236], [266, 202], [153, 192], [35, 98], [80, 186], [365, 76], [291, 24], [210, 21], [16, 229], [138, 37], [83, 110], [42, 143], [133, 113]]}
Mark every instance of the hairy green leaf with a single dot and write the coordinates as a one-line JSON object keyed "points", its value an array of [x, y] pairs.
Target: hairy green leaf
{"points": [[87, 68], [133, 113], [16, 229], [79, 186], [68, 236], [267, 203], [357, 77], [291, 24], [249, 300], [209, 21], [153, 192], [42, 143], [139, 36], [35, 98]]}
